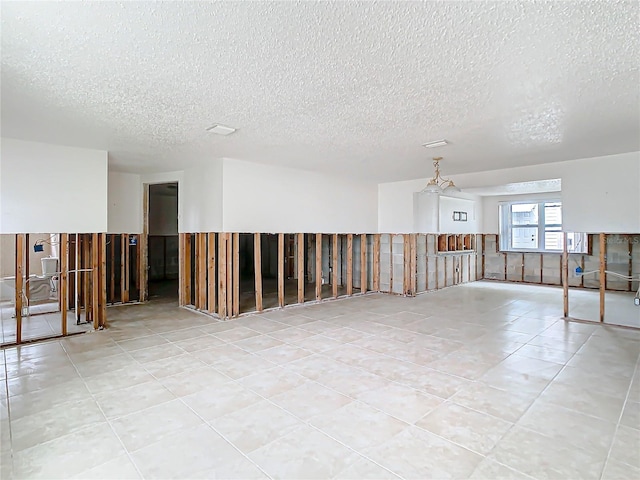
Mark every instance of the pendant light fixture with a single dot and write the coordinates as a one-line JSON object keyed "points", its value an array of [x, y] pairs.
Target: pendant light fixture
{"points": [[439, 184]]}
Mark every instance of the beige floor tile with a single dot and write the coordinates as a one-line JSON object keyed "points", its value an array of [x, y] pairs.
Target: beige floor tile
{"points": [[142, 342], [160, 352], [258, 343], [166, 367], [615, 470], [283, 354], [543, 457], [272, 382], [35, 402], [466, 365], [508, 405], [51, 423], [404, 403], [69, 455], [588, 433], [198, 343], [631, 415], [115, 380], [352, 382], [304, 453], [310, 399], [120, 468], [248, 365], [118, 403], [405, 455], [238, 333], [363, 469], [256, 425], [586, 401], [359, 426], [626, 446], [185, 453], [473, 430], [490, 470], [214, 402], [152, 424], [432, 381]]}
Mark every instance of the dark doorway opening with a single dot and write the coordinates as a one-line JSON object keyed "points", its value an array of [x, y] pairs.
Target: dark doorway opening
{"points": [[163, 260]]}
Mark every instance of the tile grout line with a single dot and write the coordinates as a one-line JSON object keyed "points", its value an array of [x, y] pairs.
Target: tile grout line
{"points": [[105, 417], [618, 424]]}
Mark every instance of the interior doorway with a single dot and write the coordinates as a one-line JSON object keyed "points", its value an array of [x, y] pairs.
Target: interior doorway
{"points": [[162, 229]]}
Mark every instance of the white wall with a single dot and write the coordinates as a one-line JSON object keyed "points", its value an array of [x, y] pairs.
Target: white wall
{"points": [[402, 209], [125, 203], [396, 205], [448, 205], [201, 197], [50, 188], [599, 194], [262, 198]]}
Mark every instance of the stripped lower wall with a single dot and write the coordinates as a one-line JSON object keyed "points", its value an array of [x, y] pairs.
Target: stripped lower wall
{"points": [[622, 255], [228, 274], [80, 276]]}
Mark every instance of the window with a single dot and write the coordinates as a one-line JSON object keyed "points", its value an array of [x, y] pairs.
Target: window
{"points": [[536, 227]]}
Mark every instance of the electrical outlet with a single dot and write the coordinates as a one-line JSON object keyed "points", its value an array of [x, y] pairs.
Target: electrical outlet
{"points": [[637, 301]]}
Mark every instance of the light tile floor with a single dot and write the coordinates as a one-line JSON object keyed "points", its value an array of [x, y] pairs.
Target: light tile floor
{"points": [[476, 381]]}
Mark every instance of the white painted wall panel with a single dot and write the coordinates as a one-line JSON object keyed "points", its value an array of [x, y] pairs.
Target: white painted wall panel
{"points": [[263, 198], [125, 203], [201, 194], [51, 188]]}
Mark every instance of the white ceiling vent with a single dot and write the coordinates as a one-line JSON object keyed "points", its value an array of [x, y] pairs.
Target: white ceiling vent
{"points": [[221, 129]]}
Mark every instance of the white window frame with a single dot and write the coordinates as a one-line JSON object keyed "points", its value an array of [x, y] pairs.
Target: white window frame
{"points": [[506, 229]]}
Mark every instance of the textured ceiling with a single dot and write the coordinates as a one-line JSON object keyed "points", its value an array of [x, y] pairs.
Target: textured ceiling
{"points": [[349, 88]]}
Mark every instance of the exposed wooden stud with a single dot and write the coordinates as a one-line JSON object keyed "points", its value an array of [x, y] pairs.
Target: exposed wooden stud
{"points": [[427, 238], [181, 272], [522, 269], [201, 260], [257, 266], [188, 269], [236, 274], [103, 280], [300, 261], [87, 288], [541, 268], [565, 275], [630, 251], [144, 247], [27, 268], [413, 264], [318, 266], [582, 267], [63, 280], [363, 263], [211, 273], [405, 264], [376, 262], [112, 268], [124, 266], [281, 270], [391, 235], [334, 266], [222, 275], [437, 276], [95, 279], [350, 264], [603, 275], [20, 283], [483, 254]]}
